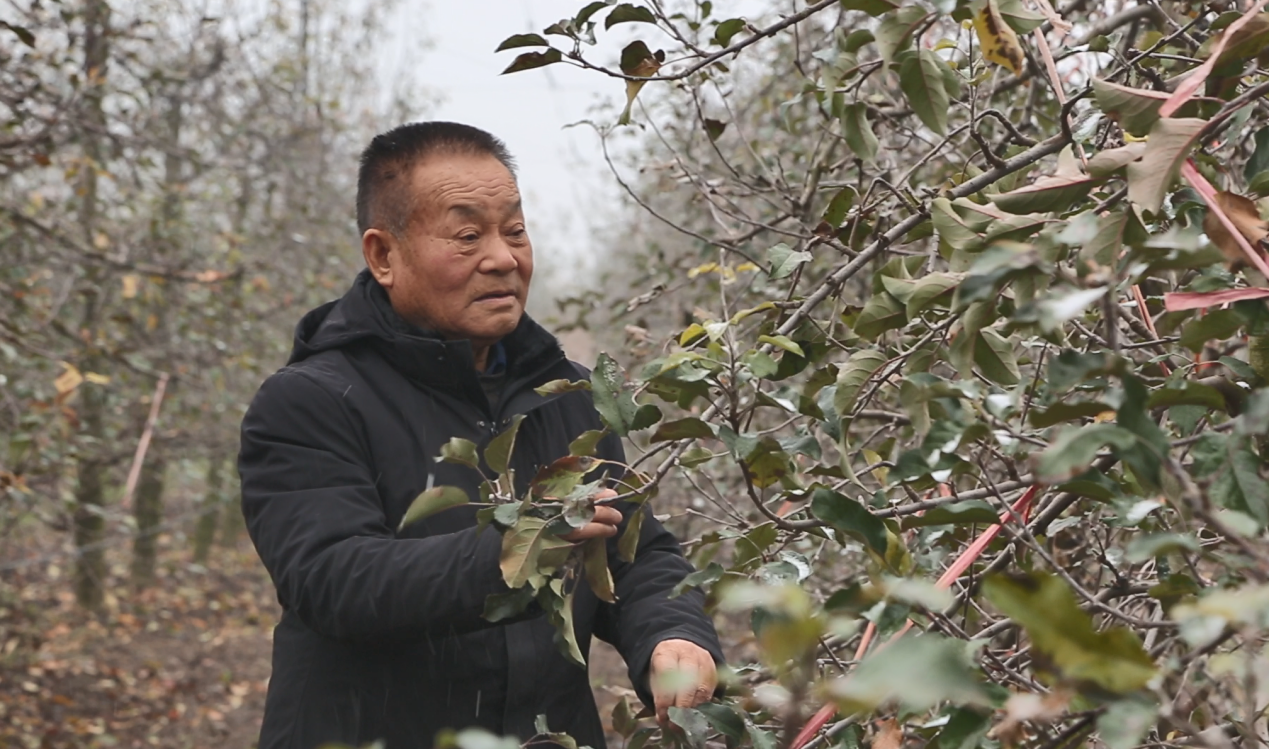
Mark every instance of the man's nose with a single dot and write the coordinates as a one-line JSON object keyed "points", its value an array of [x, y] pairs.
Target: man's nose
{"points": [[499, 258]]}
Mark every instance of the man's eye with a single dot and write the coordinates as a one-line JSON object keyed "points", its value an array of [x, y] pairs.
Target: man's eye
{"points": [[470, 237]]}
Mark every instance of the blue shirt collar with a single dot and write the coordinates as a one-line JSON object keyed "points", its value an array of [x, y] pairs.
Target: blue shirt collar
{"points": [[496, 361]]}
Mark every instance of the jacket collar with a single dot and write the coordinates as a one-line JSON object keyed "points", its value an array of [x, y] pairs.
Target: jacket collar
{"points": [[364, 317]]}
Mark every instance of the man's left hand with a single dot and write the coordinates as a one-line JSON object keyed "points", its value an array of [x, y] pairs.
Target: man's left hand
{"points": [[682, 675]]}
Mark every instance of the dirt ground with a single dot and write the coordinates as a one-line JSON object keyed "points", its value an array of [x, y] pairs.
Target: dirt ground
{"points": [[183, 665]]}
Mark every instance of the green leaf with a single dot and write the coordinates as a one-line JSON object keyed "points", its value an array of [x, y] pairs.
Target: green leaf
{"points": [[432, 501], [839, 206], [725, 720], [1150, 178], [964, 730], [531, 60], [1147, 455], [1071, 367], [714, 128], [591, 9], [500, 606], [637, 61], [921, 79], [1187, 393], [506, 515], [1055, 194], [1112, 160], [522, 40], [1154, 545], [586, 442], [628, 544], [614, 403], [848, 516], [24, 34], [682, 429], [641, 737], [561, 386], [644, 417], [1066, 411], [712, 573], [954, 232], [881, 312], [522, 547], [994, 357], [857, 370], [498, 451], [1259, 161], [623, 718], [565, 637], [1114, 230], [724, 32], [460, 451], [1063, 305], [899, 288], [595, 565], [874, 8], [1245, 43], [692, 724], [782, 342], [1239, 485], [858, 133], [1135, 109], [958, 513], [1126, 722], [1045, 606], [930, 288], [1073, 450], [1021, 20], [1216, 325], [896, 30], [628, 13], [784, 260], [917, 672], [760, 364]]}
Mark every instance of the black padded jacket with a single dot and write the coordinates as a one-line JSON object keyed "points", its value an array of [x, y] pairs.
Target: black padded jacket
{"points": [[381, 635]]}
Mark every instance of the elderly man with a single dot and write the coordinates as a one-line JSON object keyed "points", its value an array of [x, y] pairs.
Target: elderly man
{"points": [[381, 634]]}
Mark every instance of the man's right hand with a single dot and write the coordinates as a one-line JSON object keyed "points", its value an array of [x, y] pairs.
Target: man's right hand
{"points": [[603, 525]]}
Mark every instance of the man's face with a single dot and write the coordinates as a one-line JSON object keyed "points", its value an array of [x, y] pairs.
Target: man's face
{"points": [[463, 266]]}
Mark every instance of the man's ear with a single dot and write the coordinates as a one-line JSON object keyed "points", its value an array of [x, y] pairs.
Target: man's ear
{"points": [[377, 248]]}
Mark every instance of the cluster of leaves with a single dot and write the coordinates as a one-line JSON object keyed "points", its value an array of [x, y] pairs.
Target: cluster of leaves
{"points": [[945, 326], [537, 564]]}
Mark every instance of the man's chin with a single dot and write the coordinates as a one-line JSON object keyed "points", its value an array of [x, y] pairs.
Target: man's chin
{"points": [[494, 330]]}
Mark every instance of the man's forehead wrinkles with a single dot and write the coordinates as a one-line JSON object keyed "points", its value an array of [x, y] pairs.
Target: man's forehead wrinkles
{"points": [[477, 203]]}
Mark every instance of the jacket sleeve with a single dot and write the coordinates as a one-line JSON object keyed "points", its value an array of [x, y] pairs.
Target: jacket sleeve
{"points": [[644, 614], [316, 519]]}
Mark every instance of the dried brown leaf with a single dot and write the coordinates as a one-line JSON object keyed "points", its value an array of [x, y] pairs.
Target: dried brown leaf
{"points": [[889, 735], [1023, 707], [1245, 216]]}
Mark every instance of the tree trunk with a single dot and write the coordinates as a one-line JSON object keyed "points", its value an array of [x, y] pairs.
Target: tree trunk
{"points": [[209, 515], [148, 511], [89, 525], [233, 523]]}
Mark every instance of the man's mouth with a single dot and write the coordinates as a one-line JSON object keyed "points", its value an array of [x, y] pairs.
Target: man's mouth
{"points": [[496, 296]]}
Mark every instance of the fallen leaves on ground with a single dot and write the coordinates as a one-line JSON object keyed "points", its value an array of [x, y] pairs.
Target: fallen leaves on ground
{"points": [[184, 664]]}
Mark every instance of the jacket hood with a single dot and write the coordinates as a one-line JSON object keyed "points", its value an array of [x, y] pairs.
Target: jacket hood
{"points": [[364, 317]]}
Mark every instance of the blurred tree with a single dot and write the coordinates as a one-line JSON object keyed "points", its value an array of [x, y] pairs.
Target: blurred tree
{"points": [[177, 188]]}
